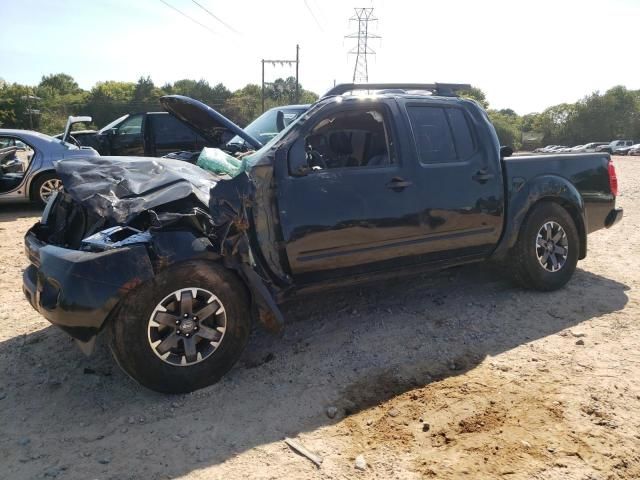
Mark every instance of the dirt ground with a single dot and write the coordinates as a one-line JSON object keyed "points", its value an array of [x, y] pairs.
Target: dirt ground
{"points": [[458, 375]]}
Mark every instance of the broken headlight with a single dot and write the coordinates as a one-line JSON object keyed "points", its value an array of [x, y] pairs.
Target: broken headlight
{"points": [[115, 237]]}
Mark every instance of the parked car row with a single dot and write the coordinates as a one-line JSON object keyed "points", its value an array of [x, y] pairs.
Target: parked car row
{"points": [[627, 150], [615, 147], [586, 148]]}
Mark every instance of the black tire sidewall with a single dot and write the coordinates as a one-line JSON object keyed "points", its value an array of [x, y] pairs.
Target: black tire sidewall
{"points": [[129, 329], [534, 274]]}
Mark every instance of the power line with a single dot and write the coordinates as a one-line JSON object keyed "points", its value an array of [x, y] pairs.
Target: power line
{"points": [[187, 16], [216, 17], [361, 70], [313, 15]]}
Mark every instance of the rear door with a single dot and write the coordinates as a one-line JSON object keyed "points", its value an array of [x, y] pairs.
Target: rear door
{"points": [[460, 190]]}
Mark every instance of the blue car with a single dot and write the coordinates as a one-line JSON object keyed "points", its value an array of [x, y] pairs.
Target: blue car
{"points": [[26, 162]]}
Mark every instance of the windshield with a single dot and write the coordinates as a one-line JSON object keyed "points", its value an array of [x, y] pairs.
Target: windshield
{"points": [[265, 127], [113, 124], [249, 160]]}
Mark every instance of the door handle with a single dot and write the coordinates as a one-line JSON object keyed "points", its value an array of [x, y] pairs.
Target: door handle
{"points": [[482, 176], [398, 184]]}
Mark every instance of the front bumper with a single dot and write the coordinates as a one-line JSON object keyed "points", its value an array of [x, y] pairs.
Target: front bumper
{"points": [[614, 217], [77, 290]]}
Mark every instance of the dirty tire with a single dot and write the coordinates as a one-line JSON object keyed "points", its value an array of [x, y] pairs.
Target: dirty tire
{"points": [[129, 334], [37, 186], [526, 267]]}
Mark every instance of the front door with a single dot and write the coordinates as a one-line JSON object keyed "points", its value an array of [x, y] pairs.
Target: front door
{"points": [[128, 137], [346, 196]]}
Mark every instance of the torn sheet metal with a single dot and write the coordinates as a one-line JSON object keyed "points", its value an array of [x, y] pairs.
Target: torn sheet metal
{"points": [[119, 188]]}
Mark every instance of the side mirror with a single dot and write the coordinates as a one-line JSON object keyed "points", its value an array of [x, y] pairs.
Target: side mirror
{"points": [[505, 151], [280, 120]]}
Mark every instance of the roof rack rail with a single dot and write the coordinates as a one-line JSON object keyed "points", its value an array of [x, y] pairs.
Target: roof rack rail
{"points": [[441, 89]]}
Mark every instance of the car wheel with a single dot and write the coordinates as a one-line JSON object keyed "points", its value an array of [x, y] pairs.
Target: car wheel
{"points": [[184, 329], [546, 252], [44, 186]]}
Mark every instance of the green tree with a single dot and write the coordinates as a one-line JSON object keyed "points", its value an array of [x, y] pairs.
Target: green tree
{"points": [[57, 84], [476, 94], [109, 100], [201, 90], [14, 106], [244, 105], [508, 126]]}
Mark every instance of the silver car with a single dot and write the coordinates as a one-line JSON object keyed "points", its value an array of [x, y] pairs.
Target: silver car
{"points": [[26, 163]]}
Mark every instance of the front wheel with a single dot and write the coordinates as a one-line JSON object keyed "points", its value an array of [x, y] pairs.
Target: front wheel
{"points": [[546, 252], [184, 329]]}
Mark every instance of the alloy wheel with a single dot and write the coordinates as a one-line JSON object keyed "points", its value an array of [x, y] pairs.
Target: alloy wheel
{"points": [[187, 326], [49, 187], [552, 246]]}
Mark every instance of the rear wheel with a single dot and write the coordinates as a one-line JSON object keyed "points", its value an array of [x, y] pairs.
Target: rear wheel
{"points": [[44, 186], [184, 329], [546, 253]]}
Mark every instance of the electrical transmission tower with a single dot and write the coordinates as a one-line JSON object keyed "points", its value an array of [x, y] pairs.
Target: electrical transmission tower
{"points": [[363, 16]]}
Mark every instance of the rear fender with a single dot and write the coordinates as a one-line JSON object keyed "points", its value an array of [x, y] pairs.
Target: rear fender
{"points": [[523, 197]]}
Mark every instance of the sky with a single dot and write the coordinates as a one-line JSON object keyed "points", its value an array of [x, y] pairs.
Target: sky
{"points": [[525, 55]]}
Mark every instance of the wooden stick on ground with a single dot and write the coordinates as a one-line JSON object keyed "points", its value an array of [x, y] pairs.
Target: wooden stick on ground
{"points": [[299, 448]]}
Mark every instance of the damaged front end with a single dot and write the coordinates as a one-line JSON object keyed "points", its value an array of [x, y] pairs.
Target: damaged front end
{"points": [[120, 221]]}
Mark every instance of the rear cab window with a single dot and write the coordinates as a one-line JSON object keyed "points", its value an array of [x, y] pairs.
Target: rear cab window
{"points": [[442, 134]]}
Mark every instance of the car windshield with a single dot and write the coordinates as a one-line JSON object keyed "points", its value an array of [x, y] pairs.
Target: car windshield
{"points": [[113, 124], [249, 160], [265, 127]]}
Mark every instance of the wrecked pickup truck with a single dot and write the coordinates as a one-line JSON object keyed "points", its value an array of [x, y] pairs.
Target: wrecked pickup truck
{"points": [[175, 263]]}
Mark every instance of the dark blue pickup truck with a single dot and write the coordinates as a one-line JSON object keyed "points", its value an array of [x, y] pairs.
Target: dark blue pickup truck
{"points": [[372, 181]]}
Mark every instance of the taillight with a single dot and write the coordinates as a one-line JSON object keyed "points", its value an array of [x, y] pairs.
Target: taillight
{"points": [[613, 179]]}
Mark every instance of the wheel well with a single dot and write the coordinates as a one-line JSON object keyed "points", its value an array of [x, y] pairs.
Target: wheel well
{"points": [[35, 179], [575, 215]]}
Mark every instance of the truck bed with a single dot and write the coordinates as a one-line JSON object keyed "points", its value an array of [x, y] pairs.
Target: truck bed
{"points": [[588, 172]]}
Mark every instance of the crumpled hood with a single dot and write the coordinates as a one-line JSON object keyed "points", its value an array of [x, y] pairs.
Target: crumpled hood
{"points": [[119, 188]]}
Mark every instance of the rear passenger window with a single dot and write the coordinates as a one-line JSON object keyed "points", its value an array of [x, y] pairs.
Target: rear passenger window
{"points": [[441, 134], [461, 133], [432, 134]]}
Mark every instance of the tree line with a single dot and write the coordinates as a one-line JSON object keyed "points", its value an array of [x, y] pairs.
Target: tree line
{"points": [[614, 114], [598, 117], [46, 106]]}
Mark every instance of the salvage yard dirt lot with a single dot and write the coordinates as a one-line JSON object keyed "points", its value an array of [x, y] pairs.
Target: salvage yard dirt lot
{"points": [[458, 375]]}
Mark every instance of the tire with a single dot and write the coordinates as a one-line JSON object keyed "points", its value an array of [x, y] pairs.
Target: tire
{"points": [[528, 256], [43, 186], [132, 333]]}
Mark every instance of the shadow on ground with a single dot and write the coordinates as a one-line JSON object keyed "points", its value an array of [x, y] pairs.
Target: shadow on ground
{"points": [[353, 349], [10, 212]]}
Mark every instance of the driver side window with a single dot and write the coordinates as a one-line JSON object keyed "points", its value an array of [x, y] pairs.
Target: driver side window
{"points": [[131, 126], [348, 139]]}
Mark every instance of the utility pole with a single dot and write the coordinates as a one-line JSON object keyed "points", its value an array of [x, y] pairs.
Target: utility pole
{"points": [[284, 62], [297, 68], [31, 111], [363, 16]]}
